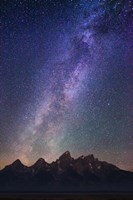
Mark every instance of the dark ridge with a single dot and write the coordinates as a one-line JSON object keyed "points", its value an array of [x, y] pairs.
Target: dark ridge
{"points": [[66, 173]]}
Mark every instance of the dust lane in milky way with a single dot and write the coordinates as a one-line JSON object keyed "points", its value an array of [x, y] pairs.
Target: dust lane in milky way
{"points": [[66, 80]]}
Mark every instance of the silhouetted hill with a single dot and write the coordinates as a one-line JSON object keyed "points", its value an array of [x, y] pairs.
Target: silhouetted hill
{"points": [[85, 173]]}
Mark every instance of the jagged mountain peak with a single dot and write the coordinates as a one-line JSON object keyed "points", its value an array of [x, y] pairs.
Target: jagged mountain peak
{"points": [[17, 163], [64, 171], [65, 155], [40, 163], [65, 160], [90, 158], [81, 157]]}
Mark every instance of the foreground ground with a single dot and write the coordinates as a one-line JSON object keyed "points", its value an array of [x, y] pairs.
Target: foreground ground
{"points": [[66, 196]]}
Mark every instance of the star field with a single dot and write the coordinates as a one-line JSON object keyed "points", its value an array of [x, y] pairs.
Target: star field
{"points": [[66, 80]]}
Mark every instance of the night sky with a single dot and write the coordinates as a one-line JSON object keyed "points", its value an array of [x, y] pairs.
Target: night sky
{"points": [[66, 80]]}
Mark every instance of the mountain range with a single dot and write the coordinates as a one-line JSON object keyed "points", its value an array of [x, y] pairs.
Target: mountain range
{"points": [[85, 173]]}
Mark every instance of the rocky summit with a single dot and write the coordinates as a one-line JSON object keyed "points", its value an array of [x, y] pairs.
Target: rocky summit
{"points": [[85, 173]]}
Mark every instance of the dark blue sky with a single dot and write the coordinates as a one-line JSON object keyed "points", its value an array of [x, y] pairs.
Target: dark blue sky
{"points": [[66, 80]]}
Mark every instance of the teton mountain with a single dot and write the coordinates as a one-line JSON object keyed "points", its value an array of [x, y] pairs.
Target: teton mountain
{"points": [[85, 173]]}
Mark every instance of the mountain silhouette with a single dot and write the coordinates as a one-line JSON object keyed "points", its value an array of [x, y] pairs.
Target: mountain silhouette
{"points": [[85, 173]]}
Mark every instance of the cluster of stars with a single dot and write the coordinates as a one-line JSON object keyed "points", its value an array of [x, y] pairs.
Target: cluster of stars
{"points": [[66, 80]]}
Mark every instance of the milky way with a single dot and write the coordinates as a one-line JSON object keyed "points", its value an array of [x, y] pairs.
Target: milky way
{"points": [[67, 80]]}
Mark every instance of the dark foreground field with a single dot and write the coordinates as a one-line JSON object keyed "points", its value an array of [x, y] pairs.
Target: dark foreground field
{"points": [[66, 196]]}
